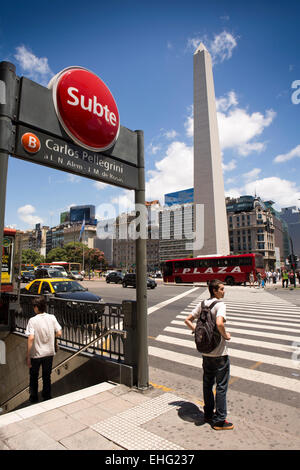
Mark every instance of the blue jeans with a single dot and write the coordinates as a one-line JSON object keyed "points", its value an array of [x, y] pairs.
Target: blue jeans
{"points": [[215, 369]]}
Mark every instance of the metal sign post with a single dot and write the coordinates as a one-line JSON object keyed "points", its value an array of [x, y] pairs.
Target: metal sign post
{"points": [[31, 129], [8, 94], [141, 273]]}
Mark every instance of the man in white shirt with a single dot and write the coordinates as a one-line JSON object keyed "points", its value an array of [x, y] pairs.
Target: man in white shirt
{"points": [[216, 365], [42, 330]]}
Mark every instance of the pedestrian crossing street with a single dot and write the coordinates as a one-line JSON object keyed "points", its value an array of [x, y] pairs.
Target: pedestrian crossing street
{"points": [[262, 334]]}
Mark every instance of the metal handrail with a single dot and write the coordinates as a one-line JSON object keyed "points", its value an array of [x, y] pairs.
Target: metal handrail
{"points": [[64, 362]]}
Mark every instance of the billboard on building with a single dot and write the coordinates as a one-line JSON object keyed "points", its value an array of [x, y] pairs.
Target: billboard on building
{"points": [[81, 213], [64, 217], [180, 197]]}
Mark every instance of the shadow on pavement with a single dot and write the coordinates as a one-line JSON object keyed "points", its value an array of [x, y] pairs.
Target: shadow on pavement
{"points": [[189, 412]]}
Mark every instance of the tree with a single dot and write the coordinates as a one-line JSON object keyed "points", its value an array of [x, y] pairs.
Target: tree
{"points": [[32, 257], [74, 252], [57, 254]]}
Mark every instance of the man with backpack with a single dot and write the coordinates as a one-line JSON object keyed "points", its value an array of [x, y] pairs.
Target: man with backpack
{"points": [[210, 338]]}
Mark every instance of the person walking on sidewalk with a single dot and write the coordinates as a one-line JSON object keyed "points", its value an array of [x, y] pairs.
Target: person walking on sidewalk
{"points": [[42, 330], [251, 279], [216, 364], [285, 279]]}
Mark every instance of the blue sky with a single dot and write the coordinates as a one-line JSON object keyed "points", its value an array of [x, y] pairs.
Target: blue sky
{"points": [[144, 52]]}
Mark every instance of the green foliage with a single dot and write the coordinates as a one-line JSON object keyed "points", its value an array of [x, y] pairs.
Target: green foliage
{"points": [[74, 253], [32, 257]]}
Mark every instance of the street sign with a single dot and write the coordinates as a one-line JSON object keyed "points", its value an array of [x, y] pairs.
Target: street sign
{"points": [[51, 151], [36, 110], [86, 108]]}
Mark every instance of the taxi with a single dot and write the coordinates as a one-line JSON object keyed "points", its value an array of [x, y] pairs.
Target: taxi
{"points": [[61, 288]]}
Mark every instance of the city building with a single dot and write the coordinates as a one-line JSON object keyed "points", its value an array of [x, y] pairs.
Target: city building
{"points": [[124, 254], [176, 227], [291, 215], [34, 239], [251, 228]]}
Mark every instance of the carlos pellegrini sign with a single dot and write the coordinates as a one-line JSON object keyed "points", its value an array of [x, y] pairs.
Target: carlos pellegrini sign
{"points": [[72, 125]]}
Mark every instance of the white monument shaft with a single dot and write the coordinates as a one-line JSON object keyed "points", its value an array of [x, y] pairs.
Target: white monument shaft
{"points": [[208, 174]]}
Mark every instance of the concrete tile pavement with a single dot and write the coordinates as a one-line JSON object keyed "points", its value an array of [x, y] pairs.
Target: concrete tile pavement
{"points": [[115, 417]]}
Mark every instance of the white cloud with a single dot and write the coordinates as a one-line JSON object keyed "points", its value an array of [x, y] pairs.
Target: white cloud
{"points": [[189, 122], [153, 149], [237, 128], [170, 134], [220, 47], [34, 67], [285, 193], [99, 185], [229, 166], [124, 201], [251, 174], [26, 214], [295, 152], [225, 102], [173, 173]]}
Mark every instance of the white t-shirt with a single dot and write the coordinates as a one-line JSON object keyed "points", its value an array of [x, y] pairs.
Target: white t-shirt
{"points": [[220, 311], [43, 326]]}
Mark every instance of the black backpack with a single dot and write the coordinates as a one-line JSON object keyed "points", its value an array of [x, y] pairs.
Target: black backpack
{"points": [[207, 336]]}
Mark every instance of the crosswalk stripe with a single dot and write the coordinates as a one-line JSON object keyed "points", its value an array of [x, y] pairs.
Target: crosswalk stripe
{"points": [[250, 314], [249, 325], [256, 357], [253, 320], [250, 342], [169, 301], [262, 311], [264, 315], [235, 371], [257, 305], [251, 317], [185, 331]]}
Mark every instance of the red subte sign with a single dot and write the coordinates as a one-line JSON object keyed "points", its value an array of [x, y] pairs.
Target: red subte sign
{"points": [[85, 108]]}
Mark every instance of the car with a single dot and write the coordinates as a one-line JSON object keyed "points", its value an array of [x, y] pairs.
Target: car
{"points": [[27, 276], [76, 275], [130, 280], [116, 277], [41, 273], [61, 288]]}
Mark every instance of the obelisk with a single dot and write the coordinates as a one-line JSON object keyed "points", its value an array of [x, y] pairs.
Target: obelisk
{"points": [[208, 173]]}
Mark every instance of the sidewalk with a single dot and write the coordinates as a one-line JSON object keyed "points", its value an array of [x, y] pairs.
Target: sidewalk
{"points": [[114, 417]]}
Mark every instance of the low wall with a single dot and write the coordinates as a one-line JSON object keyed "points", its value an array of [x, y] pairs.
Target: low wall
{"points": [[82, 371]]}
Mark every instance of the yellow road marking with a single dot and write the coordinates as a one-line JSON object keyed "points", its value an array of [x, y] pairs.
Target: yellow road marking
{"points": [[167, 389]]}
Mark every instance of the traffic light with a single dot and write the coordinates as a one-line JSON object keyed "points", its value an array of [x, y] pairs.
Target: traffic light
{"points": [[293, 261]]}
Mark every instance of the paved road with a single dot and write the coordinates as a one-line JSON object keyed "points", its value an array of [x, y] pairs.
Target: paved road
{"points": [[265, 330]]}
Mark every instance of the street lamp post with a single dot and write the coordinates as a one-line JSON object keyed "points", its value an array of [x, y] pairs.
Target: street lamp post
{"points": [[293, 260]]}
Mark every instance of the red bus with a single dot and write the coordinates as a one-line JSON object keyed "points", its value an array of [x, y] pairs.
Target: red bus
{"points": [[231, 269], [64, 264], [8, 251]]}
